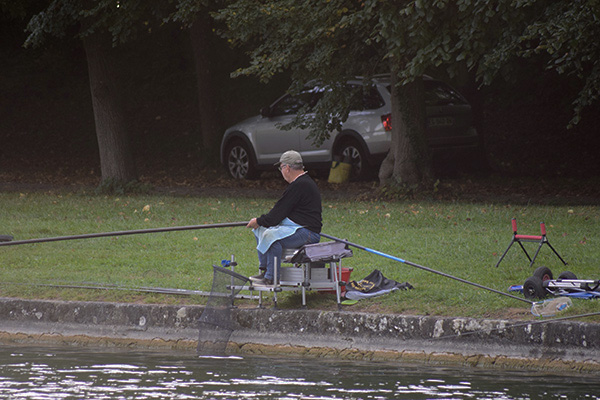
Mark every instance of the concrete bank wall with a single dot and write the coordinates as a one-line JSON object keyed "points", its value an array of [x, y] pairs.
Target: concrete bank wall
{"points": [[494, 343]]}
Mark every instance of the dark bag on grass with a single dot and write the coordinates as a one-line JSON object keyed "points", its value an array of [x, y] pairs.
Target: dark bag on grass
{"points": [[375, 284]]}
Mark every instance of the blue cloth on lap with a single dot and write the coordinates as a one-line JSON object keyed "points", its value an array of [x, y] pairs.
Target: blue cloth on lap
{"points": [[266, 236]]}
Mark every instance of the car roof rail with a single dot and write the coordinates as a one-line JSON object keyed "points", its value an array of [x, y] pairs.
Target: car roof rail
{"points": [[388, 75]]}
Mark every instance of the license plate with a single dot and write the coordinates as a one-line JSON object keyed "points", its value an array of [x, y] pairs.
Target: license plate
{"points": [[435, 122]]}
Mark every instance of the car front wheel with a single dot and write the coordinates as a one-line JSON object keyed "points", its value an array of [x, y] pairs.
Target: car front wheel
{"points": [[239, 161]]}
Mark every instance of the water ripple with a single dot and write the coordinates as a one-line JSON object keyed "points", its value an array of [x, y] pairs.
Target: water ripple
{"points": [[67, 373]]}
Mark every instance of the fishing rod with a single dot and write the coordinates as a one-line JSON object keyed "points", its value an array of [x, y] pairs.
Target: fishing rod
{"points": [[123, 233], [379, 253], [145, 289], [6, 240]]}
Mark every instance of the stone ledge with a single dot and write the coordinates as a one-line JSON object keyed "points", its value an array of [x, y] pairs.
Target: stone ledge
{"points": [[557, 345]]}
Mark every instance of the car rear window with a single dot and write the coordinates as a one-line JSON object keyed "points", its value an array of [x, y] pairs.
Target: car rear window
{"points": [[438, 93]]}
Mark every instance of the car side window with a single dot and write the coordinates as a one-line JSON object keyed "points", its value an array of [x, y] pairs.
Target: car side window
{"points": [[286, 106], [289, 105], [362, 98]]}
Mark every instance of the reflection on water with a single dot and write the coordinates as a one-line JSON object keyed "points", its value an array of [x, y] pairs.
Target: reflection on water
{"points": [[81, 373]]}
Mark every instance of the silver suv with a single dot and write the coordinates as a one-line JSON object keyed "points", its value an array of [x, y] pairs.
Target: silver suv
{"points": [[256, 143]]}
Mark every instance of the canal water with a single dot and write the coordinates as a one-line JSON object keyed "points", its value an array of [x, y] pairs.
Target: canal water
{"points": [[83, 373]]}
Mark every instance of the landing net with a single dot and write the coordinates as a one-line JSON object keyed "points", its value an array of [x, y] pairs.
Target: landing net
{"points": [[551, 307], [215, 325]]}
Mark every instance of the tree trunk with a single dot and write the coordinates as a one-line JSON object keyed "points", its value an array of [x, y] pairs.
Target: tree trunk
{"points": [[116, 160], [200, 34], [408, 162]]}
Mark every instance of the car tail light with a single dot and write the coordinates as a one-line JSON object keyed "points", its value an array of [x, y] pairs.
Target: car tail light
{"points": [[386, 120]]}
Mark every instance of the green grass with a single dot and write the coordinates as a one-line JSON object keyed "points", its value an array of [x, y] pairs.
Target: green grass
{"points": [[461, 239]]}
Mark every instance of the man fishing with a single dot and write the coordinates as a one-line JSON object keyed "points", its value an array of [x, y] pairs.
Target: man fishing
{"points": [[294, 220]]}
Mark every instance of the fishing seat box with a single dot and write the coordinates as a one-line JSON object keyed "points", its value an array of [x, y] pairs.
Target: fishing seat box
{"points": [[314, 267]]}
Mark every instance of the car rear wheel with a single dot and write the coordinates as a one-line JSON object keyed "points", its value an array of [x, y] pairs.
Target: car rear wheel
{"points": [[350, 150], [239, 161]]}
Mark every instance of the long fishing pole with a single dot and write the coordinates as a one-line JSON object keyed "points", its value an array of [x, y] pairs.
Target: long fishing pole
{"points": [[159, 290], [123, 233], [379, 253]]}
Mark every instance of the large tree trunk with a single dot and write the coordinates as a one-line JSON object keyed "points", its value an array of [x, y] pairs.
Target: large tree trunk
{"points": [[408, 162], [116, 160], [200, 34]]}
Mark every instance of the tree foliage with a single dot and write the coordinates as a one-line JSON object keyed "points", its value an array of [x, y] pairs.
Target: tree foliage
{"points": [[565, 35], [335, 39], [122, 19], [14, 9], [322, 40]]}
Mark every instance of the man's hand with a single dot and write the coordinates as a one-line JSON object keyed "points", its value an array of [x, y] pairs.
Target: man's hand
{"points": [[252, 224]]}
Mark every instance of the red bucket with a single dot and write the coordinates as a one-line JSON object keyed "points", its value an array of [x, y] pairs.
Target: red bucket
{"points": [[345, 277]]}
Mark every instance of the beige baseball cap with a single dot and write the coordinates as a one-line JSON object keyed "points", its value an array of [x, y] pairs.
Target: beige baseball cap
{"points": [[290, 157]]}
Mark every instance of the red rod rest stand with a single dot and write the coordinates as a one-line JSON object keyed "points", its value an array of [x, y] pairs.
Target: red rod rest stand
{"points": [[541, 239]]}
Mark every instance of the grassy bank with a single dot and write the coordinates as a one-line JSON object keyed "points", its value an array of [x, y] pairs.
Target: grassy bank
{"points": [[461, 239]]}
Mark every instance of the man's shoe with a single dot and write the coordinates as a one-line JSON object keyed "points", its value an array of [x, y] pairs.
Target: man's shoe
{"points": [[263, 282], [258, 277]]}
